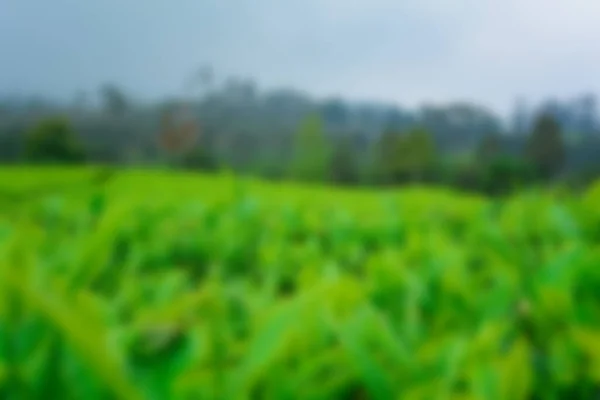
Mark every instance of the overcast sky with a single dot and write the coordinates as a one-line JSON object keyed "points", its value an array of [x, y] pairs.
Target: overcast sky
{"points": [[405, 51]]}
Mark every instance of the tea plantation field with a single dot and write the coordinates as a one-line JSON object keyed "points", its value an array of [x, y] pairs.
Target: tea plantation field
{"points": [[160, 285]]}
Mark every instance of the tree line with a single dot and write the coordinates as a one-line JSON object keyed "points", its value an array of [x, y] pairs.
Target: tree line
{"points": [[286, 135]]}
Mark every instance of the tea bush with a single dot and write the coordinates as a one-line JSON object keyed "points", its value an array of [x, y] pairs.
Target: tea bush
{"points": [[152, 285]]}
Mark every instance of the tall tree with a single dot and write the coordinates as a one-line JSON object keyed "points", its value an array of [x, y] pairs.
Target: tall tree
{"points": [[177, 136], [416, 154], [11, 143], [545, 147], [587, 118], [519, 118], [489, 148], [335, 113], [401, 157], [384, 163], [311, 150], [114, 100], [344, 163]]}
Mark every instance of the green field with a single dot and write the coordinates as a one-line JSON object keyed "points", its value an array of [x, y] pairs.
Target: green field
{"points": [[160, 285]]}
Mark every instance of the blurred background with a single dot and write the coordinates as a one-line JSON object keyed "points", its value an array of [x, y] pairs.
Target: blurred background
{"points": [[484, 96], [123, 279]]}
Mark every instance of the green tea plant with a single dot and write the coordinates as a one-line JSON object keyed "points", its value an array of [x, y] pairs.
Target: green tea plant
{"points": [[153, 285]]}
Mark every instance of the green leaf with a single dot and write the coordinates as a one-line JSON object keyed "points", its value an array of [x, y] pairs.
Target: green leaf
{"points": [[370, 372], [588, 341], [518, 371], [266, 345], [3, 374], [87, 342]]}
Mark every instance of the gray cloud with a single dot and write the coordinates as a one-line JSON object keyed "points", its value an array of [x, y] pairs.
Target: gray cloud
{"points": [[407, 51]]}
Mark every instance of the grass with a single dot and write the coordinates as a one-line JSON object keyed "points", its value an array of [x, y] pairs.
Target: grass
{"points": [[152, 285]]}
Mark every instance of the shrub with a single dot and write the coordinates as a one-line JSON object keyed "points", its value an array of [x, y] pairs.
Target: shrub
{"points": [[53, 140]]}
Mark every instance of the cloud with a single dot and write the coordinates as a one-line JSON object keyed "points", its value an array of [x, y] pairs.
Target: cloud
{"points": [[409, 51]]}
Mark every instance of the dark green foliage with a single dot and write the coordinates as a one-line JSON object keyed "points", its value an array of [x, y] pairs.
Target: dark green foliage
{"points": [[502, 175], [256, 131], [404, 157], [489, 149], [464, 175], [416, 154], [200, 159], [53, 140], [11, 144], [344, 166], [499, 173], [270, 167], [384, 159], [546, 147], [311, 151]]}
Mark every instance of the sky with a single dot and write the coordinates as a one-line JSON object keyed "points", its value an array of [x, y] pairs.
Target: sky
{"points": [[408, 52]]}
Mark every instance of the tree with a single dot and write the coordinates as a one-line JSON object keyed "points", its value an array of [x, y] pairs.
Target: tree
{"points": [[396, 119], [461, 173], [334, 113], [499, 172], [177, 137], [503, 174], [384, 163], [489, 149], [587, 118], [53, 140], [519, 118], [545, 147], [11, 141], [199, 158], [113, 99], [311, 151], [403, 157], [241, 149], [416, 154], [344, 167]]}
